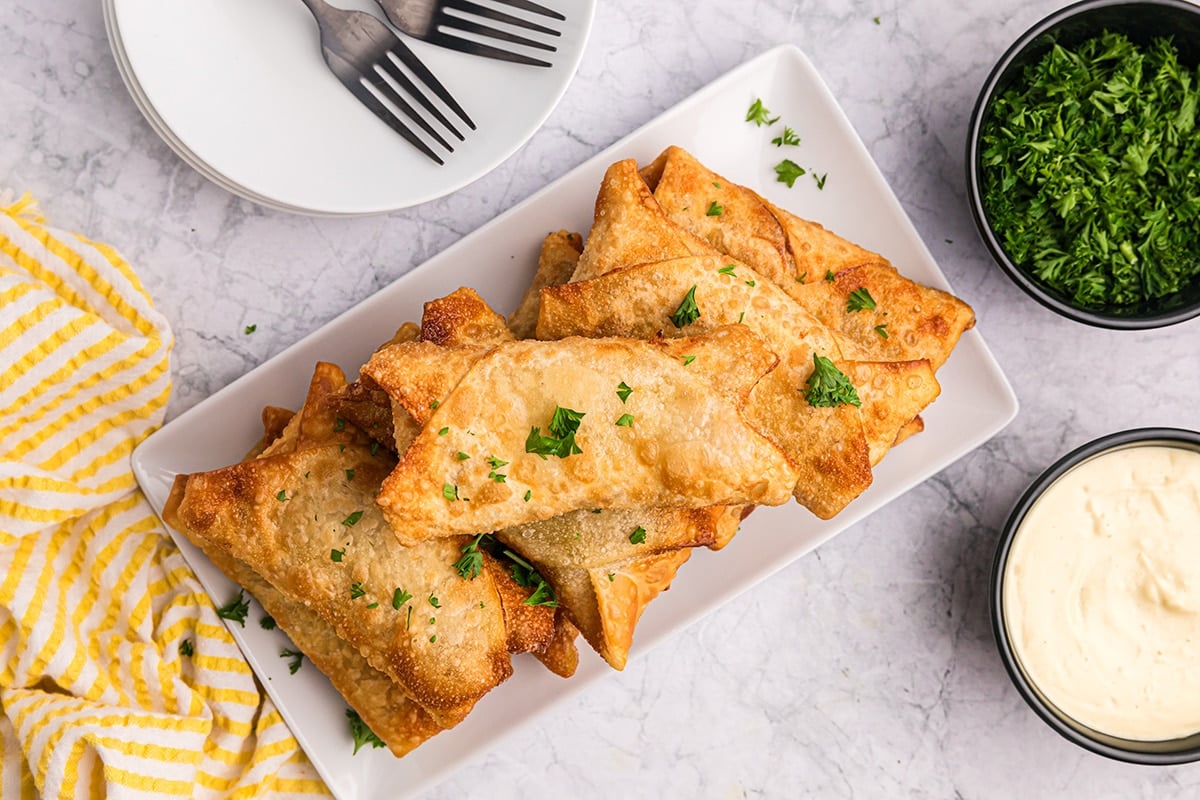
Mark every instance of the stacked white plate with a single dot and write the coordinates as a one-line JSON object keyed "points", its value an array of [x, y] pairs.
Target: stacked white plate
{"points": [[239, 91]]}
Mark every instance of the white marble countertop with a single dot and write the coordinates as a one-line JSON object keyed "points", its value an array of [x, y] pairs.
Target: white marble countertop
{"points": [[865, 669]]}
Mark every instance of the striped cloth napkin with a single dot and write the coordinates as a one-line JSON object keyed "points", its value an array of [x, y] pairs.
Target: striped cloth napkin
{"points": [[117, 678]]}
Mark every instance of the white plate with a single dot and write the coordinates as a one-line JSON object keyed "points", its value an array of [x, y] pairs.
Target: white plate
{"points": [[241, 89], [976, 400], [143, 104]]}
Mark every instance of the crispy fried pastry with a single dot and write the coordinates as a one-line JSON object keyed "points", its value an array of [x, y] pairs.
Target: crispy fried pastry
{"points": [[630, 228], [686, 446], [827, 446], [556, 264]]}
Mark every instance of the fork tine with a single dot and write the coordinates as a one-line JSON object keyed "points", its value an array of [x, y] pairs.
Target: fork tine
{"points": [[385, 88], [443, 39], [499, 16], [399, 77], [410, 60], [456, 23], [526, 5], [380, 110]]}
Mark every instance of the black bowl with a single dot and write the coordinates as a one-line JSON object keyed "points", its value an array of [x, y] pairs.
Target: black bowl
{"points": [[1142, 22], [1171, 751]]}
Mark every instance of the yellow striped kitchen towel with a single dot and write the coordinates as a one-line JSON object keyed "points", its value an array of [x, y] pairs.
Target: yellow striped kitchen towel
{"points": [[117, 678]]}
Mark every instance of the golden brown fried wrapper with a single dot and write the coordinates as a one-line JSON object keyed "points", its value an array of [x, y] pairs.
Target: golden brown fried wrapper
{"points": [[685, 445], [909, 321], [892, 394], [605, 603], [630, 228], [827, 446], [738, 222], [914, 426], [401, 723], [561, 656], [463, 317], [816, 251], [445, 668], [729, 217], [367, 405], [556, 263], [275, 421], [570, 550]]}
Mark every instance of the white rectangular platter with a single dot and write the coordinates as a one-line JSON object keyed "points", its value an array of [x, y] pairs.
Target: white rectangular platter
{"points": [[498, 261]]}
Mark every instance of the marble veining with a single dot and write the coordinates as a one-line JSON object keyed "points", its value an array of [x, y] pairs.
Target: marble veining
{"points": [[865, 669]]}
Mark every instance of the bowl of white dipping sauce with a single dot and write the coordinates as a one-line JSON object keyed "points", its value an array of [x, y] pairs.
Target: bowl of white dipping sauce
{"points": [[1096, 596]]}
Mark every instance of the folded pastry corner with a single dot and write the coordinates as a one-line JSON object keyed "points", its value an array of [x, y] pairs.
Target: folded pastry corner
{"points": [[569, 441]]}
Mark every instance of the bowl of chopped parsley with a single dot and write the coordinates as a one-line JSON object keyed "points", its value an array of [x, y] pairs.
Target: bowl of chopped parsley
{"points": [[1083, 162]]}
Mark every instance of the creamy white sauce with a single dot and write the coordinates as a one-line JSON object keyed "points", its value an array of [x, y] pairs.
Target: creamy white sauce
{"points": [[1101, 593]]}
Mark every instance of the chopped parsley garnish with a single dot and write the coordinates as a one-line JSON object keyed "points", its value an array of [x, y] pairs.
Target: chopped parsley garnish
{"points": [[688, 312], [759, 115], [186, 649], [353, 519], [564, 424], [687, 360], [526, 576], [374, 448], [251, 329], [373, 605], [236, 609], [337, 555], [875, 20], [638, 536], [399, 598], [357, 590], [433, 639], [726, 270], [828, 386], [715, 209], [882, 330], [528, 495], [361, 733], [829, 276], [450, 491], [444, 431], [433, 404], [787, 171], [461, 456], [297, 658], [1088, 171], [623, 391], [282, 496], [611, 577], [820, 179], [860, 300], [267, 623], [716, 184], [433, 601], [625, 421], [789, 137], [751, 283], [339, 424], [349, 474], [471, 563], [495, 474], [408, 623]]}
